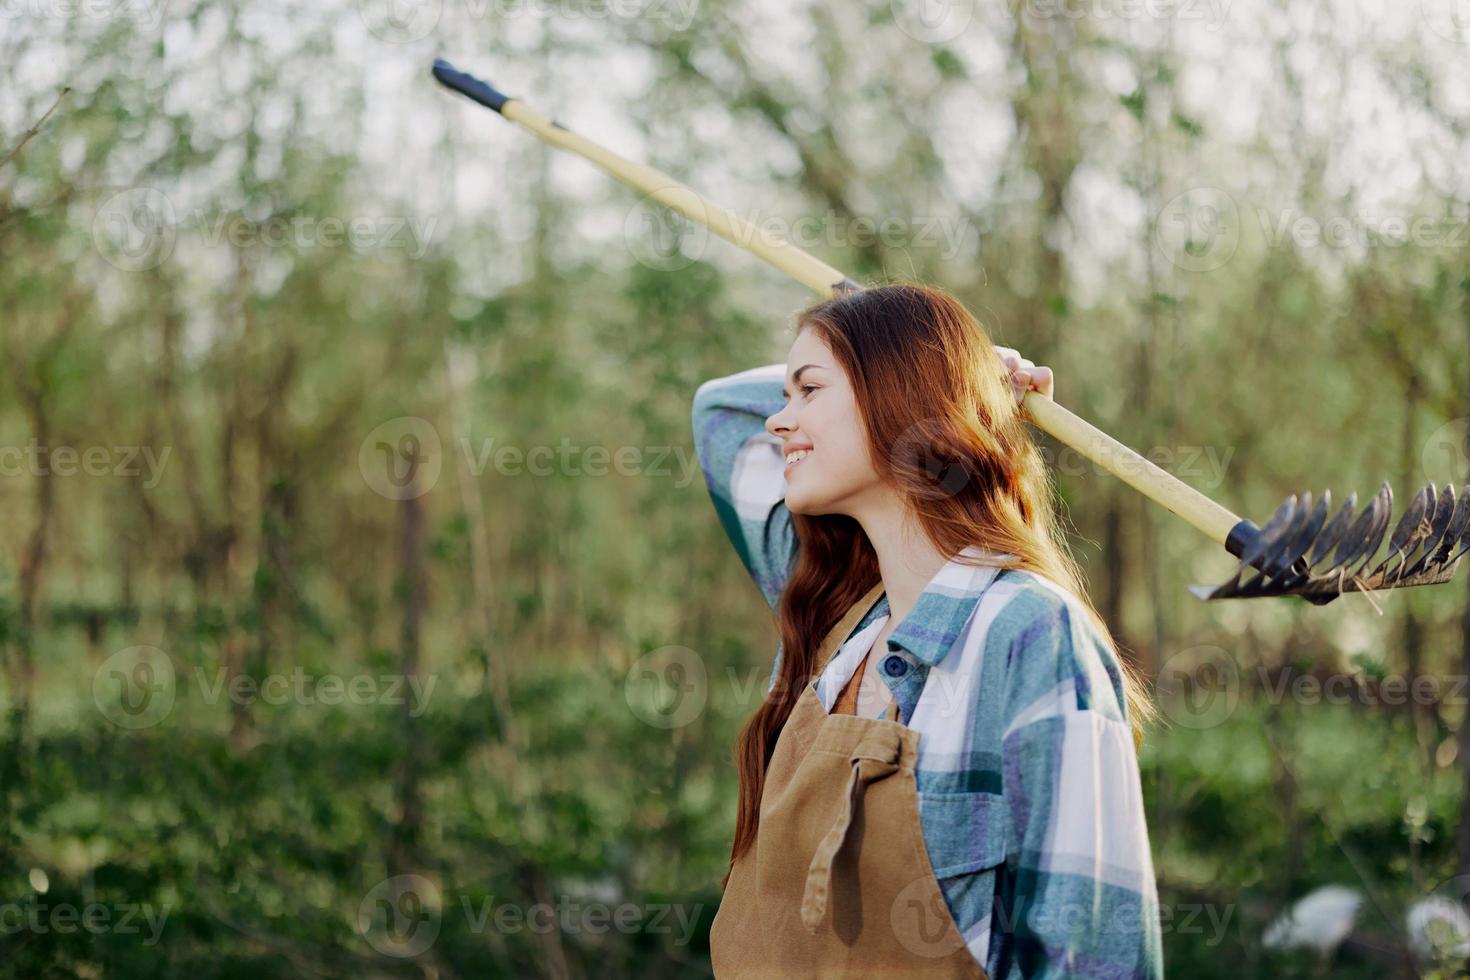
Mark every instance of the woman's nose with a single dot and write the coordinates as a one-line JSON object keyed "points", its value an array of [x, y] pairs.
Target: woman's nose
{"points": [[776, 424]]}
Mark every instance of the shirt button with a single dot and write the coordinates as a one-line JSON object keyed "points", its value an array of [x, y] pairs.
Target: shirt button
{"points": [[895, 666]]}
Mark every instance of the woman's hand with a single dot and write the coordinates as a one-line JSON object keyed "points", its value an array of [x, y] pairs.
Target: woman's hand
{"points": [[1025, 375]]}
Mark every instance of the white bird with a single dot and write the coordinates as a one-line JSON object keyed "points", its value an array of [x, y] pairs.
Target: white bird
{"points": [[1319, 920]]}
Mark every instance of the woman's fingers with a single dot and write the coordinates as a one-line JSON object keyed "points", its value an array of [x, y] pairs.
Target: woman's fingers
{"points": [[1042, 381], [1025, 375]]}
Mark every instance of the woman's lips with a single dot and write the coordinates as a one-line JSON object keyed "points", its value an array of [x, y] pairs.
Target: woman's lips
{"points": [[794, 464]]}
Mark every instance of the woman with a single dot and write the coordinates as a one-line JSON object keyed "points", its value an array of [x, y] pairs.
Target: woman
{"points": [[943, 774]]}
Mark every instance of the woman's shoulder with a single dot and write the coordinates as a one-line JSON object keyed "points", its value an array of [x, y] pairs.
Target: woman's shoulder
{"points": [[1058, 659]]}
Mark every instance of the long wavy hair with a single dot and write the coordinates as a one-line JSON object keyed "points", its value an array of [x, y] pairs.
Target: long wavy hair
{"points": [[945, 432]]}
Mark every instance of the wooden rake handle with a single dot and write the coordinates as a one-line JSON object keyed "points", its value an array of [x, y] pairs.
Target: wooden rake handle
{"points": [[1110, 454]]}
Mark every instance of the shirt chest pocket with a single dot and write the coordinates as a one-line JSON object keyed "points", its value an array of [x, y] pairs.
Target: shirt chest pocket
{"points": [[964, 832]]}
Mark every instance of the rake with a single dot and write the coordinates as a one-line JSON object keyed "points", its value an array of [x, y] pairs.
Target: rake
{"points": [[1298, 552]]}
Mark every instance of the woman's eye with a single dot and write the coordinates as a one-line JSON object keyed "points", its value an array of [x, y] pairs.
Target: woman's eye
{"points": [[807, 388]]}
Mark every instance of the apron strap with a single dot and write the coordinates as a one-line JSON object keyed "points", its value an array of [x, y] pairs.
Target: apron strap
{"points": [[875, 756]]}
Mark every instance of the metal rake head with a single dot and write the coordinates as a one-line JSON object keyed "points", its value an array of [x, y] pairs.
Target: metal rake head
{"points": [[1288, 555]]}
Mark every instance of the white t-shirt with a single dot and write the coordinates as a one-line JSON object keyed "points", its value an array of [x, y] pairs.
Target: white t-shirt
{"points": [[873, 700]]}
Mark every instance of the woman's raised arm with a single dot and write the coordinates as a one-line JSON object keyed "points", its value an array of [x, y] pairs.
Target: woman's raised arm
{"points": [[742, 467]]}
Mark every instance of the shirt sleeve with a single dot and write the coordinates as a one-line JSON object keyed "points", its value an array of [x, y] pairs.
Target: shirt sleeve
{"points": [[743, 466], [1083, 899]]}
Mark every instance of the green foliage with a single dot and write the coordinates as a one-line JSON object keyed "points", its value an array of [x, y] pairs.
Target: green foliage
{"points": [[249, 397]]}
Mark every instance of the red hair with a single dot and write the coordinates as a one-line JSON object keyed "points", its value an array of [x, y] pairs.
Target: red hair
{"points": [[945, 431]]}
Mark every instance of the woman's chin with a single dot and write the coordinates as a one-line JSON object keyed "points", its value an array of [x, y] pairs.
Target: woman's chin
{"points": [[798, 504], [806, 504]]}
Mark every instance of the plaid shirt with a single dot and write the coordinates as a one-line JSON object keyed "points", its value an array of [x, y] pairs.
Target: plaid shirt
{"points": [[1027, 772]]}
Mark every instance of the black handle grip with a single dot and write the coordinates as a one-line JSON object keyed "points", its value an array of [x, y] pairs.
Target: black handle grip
{"points": [[468, 85]]}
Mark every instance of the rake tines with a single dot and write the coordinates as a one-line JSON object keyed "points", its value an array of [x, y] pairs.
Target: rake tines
{"points": [[1283, 558]]}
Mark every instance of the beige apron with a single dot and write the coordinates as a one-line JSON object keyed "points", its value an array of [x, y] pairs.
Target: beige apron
{"points": [[838, 882]]}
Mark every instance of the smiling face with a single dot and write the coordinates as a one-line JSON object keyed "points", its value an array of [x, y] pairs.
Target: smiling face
{"points": [[828, 466]]}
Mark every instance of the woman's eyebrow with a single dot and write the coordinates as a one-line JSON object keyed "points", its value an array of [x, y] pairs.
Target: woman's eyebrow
{"points": [[796, 378]]}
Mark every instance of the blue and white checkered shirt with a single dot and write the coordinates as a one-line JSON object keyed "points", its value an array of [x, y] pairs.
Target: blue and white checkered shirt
{"points": [[1027, 773]]}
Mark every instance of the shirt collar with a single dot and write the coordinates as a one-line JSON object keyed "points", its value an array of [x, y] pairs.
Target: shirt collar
{"points": [[930, 629]]}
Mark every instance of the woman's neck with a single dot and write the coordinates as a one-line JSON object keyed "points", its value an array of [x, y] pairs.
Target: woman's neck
{"points": [[907, 559]]}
